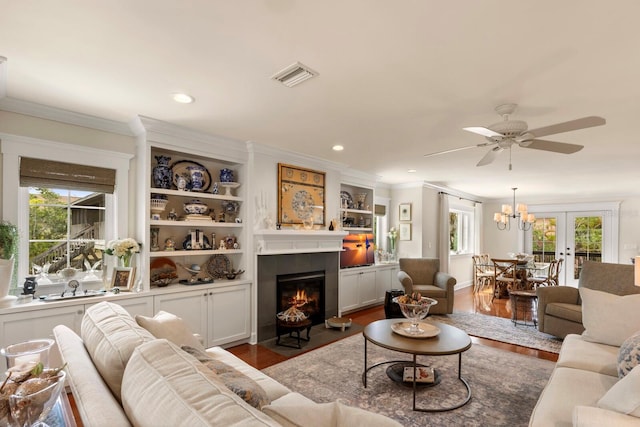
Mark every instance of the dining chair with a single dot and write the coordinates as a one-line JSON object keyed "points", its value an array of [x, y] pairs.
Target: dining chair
{"points": [[552, 278], [505, 276], [482, 272]]}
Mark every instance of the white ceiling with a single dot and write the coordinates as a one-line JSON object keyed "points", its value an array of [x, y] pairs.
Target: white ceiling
{"points": [[398, 79]]}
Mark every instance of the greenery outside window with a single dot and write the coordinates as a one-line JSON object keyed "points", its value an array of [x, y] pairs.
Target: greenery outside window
{"points": [[66, 229], [461, 231]]}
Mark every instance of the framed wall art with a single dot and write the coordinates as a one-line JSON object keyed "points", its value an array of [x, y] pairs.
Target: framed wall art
{"points": [[300, 196], [123, 278], [405, 212], [405, 231]]}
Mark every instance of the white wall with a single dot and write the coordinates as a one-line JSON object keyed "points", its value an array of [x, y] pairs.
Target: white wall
{"points": [[408, 194], [498, 243]]}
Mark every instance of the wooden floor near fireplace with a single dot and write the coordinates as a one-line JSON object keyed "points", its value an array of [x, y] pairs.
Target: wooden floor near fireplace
{"points": [[261, 357]]}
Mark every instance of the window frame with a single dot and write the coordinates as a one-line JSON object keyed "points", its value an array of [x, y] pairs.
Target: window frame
{"points": [[15, 199], [467, 229]]}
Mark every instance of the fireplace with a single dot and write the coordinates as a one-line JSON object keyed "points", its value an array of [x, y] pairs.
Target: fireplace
{"points": [[304, 291], [271, 268]]}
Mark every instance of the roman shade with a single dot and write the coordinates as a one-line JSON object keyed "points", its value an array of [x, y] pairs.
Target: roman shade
{"points": [[380, 210], [70, 176]]}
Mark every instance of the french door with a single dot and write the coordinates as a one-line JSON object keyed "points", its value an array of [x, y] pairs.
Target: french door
{"points": [[575, 236]]}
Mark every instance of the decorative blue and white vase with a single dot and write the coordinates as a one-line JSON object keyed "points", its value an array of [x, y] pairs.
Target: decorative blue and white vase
{"points": [[197, 177], [162, 173], [226, 175]]}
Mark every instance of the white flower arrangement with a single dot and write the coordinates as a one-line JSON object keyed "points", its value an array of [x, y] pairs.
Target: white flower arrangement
{"points": [[393, 236], [123, 249]]}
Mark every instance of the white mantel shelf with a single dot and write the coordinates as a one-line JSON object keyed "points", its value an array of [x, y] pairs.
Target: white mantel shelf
{"points": [[277, 242]]}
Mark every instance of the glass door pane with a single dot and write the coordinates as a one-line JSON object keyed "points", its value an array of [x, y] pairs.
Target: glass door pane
{"points": [[544, 243], [586, 232]]}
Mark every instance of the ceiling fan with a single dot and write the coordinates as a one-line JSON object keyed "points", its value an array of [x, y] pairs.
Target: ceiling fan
{"points": [[506, 133]]}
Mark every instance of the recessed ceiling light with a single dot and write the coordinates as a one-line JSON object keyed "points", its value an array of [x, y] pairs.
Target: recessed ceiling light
{"points": [[337, 147], [183, 98], [412, 171]]}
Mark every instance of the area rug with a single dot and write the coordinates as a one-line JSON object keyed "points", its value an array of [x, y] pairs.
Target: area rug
{"points": [[500, 329], [505, 386]]}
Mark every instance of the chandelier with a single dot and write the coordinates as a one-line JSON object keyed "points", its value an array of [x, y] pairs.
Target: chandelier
{"points": [[524, 219]]}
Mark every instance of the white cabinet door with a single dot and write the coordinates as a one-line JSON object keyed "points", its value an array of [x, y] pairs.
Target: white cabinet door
{"points": [[383, 282], [191, 306], [348, 291], [367, 288], [29, 325], [229, 314], [135, 306]]}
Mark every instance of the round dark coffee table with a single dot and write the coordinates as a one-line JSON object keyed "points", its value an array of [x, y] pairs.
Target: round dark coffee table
{"points": [[450, 340]]}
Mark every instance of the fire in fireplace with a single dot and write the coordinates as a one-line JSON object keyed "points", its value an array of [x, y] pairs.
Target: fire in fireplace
{"points": [[304, 292]]}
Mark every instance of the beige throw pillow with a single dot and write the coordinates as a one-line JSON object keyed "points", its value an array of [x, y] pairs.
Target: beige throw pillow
{"points": [[623, 397], [609, 318], [249, 390], [165, 386], [171, 327], [110, 335]]}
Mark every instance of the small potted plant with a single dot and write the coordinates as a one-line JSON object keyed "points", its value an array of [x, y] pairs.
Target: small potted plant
{"points": [[8, 263]]}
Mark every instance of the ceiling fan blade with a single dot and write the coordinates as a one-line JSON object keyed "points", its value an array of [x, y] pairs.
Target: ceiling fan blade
{"points": [[490, 156], [482, 131], [585, 122], [437, 153], [556, 147]]}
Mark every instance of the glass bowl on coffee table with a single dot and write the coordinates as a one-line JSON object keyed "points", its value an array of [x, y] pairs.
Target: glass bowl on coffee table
{"points": [[415, 307]]}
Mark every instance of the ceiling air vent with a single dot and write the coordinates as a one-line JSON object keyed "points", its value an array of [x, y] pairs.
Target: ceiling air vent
{"points": [[294, 74]]}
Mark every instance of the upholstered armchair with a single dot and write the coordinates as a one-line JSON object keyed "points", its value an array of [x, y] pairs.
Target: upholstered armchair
{"points": [[423, 275], [560, 307]]}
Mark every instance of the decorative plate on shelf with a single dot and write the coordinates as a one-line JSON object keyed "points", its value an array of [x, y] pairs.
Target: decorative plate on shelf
{"points": [[163, 271], [346, 200], [217, 265], [429, 330], [181, 168]]}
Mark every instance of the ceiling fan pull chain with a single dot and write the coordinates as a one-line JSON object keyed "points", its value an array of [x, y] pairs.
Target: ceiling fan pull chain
{"points": [[510, 157]]}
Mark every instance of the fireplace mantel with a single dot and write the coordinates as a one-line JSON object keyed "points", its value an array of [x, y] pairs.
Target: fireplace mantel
{"points": [[275, 242]]}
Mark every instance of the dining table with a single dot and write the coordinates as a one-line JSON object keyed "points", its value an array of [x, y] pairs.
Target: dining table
{"points": [[524, 271]]}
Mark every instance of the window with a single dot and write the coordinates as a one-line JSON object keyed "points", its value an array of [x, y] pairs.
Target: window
{"points": [[66, 229], [461, 231], [90, 205]]}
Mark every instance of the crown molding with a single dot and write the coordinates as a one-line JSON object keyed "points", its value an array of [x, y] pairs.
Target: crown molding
{"points": [[278, 153], [28, 108]]}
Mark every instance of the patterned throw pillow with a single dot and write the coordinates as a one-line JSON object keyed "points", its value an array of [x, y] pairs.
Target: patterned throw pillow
{"points": [[249, 390], [629, 355]]}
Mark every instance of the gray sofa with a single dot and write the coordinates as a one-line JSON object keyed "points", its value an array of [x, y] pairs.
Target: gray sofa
{"points": [[423, 275], [560, 307]]}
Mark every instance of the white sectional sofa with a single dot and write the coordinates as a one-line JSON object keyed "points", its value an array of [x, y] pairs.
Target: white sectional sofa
{"points": [[122, 374], [595, 381]]}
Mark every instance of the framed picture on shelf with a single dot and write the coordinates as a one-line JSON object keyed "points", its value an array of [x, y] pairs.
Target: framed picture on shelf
{"points": [[405, 211], [123, 278], [405, 231], [300, 196]]}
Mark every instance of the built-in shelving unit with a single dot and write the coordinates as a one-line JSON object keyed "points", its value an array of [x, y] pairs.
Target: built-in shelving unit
{"points": [[356, 208]]}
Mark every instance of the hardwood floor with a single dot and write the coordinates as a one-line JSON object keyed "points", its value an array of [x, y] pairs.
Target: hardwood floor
{"points": [[465, 300]]}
